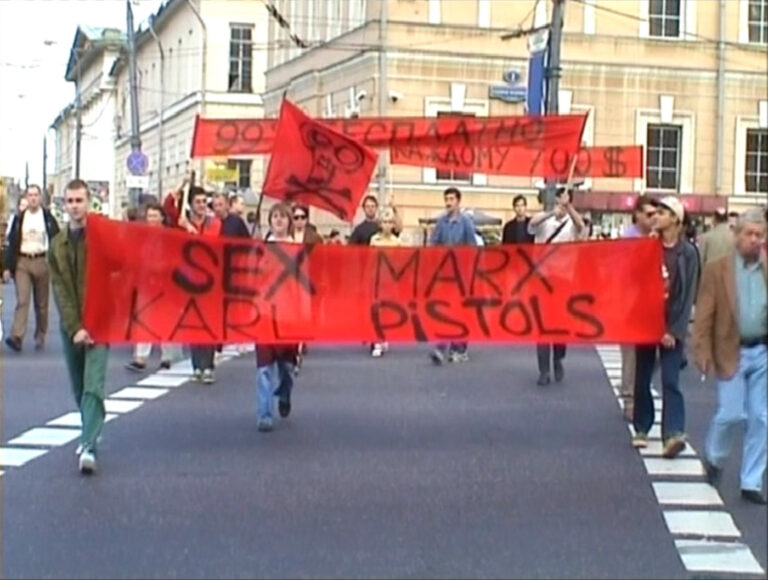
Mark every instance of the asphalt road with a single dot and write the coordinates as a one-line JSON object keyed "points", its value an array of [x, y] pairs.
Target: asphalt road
{"points": [[386, 468]]}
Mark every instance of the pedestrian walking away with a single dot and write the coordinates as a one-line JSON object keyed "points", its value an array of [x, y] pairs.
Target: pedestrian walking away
{"points": [[453, 228], [274, 362], [561, 224], [25, 261], [680, 269], [155, 217], [729, 331], [86, 361], [642, 225]]}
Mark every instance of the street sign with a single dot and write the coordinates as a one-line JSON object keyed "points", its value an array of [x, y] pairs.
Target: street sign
{"points": [[507, 94], [137, 182], [137, 163]]}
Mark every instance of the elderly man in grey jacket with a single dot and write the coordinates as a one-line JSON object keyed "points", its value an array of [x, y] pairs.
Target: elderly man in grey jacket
{"points": [[680, 270]]}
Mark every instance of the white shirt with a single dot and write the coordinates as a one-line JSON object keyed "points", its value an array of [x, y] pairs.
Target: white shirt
{"points": [[34, 237], [545, 229]]}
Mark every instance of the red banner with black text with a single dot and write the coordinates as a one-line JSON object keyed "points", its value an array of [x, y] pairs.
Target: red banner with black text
{"points": [[148, 284], [232, 137]]}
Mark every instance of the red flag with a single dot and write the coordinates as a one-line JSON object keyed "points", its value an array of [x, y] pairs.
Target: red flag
{"points": [[316, 165]]}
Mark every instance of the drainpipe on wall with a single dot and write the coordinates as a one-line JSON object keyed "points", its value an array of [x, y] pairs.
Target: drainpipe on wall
{"points": [[720, 124], [160, 127], [383, 96], [201, 109]]}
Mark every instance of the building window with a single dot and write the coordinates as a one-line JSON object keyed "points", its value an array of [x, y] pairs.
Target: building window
{"points": [[664, 18], [240, 58], [243, 167], [756, 166], [663, 144], [450, 174], [757, 21]]}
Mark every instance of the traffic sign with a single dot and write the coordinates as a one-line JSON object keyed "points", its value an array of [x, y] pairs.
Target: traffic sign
{"points": [[137, 182], [137, 163], [507, 94]]}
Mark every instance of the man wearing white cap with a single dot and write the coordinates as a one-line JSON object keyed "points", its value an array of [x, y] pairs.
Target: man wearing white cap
{"points": [[680, 270]]}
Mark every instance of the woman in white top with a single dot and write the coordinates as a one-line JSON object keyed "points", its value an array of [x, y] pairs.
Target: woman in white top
{"points": [[275, 361]]}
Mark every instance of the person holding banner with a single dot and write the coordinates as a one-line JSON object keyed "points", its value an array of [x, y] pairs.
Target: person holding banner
{"points": [[389, 239], [275, 361], [86, 361], [154, 216], [680, 269], [561, 224], [641, 227], [453, 228], [201, 224]]}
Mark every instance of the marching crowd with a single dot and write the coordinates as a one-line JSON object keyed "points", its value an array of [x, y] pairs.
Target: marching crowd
{"points": [[720, 284]]}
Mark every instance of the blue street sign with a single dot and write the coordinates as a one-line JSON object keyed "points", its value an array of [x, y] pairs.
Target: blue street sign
{"points": [[534, 102], [137, 163], [507, 94]]}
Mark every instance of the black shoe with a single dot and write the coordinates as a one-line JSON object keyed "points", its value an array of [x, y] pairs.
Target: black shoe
{"points": [[713, 473], [135, 366], [284, 408], [165, 365], [753, 496], [559, 371], [543, 379], [13, 343]]}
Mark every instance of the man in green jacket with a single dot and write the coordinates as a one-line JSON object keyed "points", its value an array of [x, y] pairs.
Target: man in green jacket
{"points": [[86, 361]]}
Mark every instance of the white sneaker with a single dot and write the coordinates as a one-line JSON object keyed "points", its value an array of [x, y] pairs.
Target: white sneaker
{"points": [[376, 351], [208, 377], [87, 462], [264, 425], [197, 375]]}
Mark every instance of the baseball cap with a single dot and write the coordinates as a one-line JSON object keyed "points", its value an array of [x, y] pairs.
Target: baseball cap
{"points": [[674, 205]]}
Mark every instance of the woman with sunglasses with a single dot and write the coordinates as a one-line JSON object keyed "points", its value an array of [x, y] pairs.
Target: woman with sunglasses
{"points": [[303, 233], [274, 362]]}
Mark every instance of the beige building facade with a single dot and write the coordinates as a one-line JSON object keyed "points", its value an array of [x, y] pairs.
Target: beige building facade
{"points": [[213, 63], [685, 78], [94, 51]]}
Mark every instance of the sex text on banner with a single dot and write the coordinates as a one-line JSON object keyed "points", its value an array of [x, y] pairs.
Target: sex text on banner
{"points": [[314, 164], [147, 284], [227, 137], [613, 162]]}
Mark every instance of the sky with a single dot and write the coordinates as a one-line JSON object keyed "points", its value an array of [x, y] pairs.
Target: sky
{"points": [[35, 39]]}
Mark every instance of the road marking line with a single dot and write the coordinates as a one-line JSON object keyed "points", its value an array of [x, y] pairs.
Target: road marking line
{"points": [[73, 419], [139, 393], [731, 557], [16, 457], [686, 493], [164, 380], [656, 448], [45, 437], [119, 406], [727, 557], [701, 523], [661, 466]]}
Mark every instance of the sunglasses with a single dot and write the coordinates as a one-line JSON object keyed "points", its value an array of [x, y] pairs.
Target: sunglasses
{"points": [[299, 216]]}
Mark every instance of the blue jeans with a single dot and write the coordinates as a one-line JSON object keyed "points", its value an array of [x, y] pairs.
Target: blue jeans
{"points": [[673, 405], [274, 380], [742, 397]]}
